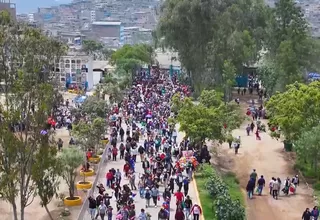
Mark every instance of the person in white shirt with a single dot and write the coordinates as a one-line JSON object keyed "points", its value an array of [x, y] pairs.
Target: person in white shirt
{"points": [[271, 184], [196, 211]]}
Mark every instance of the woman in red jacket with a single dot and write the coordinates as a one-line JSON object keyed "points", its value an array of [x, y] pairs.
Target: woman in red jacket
{"points": [[196, 211]]}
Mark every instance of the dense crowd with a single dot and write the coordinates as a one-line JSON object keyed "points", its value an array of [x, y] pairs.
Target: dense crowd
{"points": [[142, 136]]}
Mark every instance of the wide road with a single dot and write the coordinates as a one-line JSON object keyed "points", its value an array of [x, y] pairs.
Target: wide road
{"points": [[139, 202]]}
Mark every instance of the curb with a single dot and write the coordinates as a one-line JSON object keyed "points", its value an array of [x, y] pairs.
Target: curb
{"points": [[197, 195]]}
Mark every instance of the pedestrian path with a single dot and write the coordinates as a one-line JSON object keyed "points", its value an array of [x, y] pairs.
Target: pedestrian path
{"points": [[140, 203]]}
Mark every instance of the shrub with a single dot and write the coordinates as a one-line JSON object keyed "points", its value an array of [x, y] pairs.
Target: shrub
{"points": [[226, 207]]}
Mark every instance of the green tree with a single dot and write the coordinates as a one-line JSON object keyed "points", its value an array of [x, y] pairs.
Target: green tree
{"points": [[210, 119], [307, 148], [92, 47], [94, 107], [290, 49], [269, 76], [200, 123], [229, 76], [89, 134], [46, 173], [106, 53], [295, 110], [211, 98], [230, 31], [71, 159], [29, 98]]}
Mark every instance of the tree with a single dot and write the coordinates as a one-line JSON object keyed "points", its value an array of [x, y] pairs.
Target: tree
{"points": [[229, 76], [92, 47], [307, 148], [295, 110], [106, 53], [200, 123], [71, 159], [89, 134], [46, 173], [29, 99], [269, 77], [211, 98], [210, 119], [94, 107], [290, 49], [231, 31]]}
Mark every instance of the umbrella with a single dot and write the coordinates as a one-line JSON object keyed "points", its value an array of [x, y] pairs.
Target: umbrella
{"points": [[43, 132]]}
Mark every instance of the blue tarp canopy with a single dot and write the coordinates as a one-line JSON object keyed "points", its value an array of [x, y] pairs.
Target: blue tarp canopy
{"points": [[80, 99], [314, 76]]}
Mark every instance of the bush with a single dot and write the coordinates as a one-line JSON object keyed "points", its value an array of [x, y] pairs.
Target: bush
{"points": [[316, 186], [226, 207]]}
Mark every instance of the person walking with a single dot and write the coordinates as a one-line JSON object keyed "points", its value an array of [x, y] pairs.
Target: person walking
{"points": [[306, 215], [60, 144], [132, 179], [92, 207], [142, 215], [187, 206], [186, 186], [315, 213], [271, 185], [295, 181], [258, 135], [250, 188], [179, 215], [248, 129], [196, 211], [275, 189], [118, 176], [155, 194], [147, 196], [254, 176], [102, 210], [261, 184], [114, 153], [121, 132]]}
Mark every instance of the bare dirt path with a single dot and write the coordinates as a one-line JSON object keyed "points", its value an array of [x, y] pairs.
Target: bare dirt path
{"points": [[268, 158]]}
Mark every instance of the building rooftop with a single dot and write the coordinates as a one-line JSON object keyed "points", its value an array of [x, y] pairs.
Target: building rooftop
{"points": [[115, 23]]}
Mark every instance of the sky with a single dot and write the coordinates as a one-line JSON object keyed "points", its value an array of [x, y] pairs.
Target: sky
{"points": [[29, 6]]}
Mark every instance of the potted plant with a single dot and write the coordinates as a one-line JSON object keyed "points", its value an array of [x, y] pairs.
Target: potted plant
{"points": [[71, 159], [89, 136]]}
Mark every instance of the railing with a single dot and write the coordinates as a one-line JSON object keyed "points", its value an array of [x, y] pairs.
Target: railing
{"points": [[85, 205]]}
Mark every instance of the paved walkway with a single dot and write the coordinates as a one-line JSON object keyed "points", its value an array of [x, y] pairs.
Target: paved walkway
{"points": [[139, 202]]}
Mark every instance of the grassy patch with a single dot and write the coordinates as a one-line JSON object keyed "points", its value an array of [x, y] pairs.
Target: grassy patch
{"points": [[234, 188], [207, 201], [205, 198]]}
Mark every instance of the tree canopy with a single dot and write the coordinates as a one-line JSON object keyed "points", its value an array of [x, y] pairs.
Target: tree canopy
{"points": [[210, 119], [28, 75], [208, 34], [295, 110], [216, 39], [307, 148]]}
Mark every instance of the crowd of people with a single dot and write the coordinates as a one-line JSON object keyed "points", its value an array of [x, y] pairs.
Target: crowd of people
{"points": [[275, 186], [141, 135]]}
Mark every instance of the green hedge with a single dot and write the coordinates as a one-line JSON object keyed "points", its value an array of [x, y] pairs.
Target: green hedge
{"points": [[221, 198]]}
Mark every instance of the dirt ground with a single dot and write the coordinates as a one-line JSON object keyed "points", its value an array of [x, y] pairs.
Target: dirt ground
{"points": [[35, 211], [269, 159]]}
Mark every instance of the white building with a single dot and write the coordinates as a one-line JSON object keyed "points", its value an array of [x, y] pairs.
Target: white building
{"points": [[93, 16], [76, 69], [31, 18]]}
